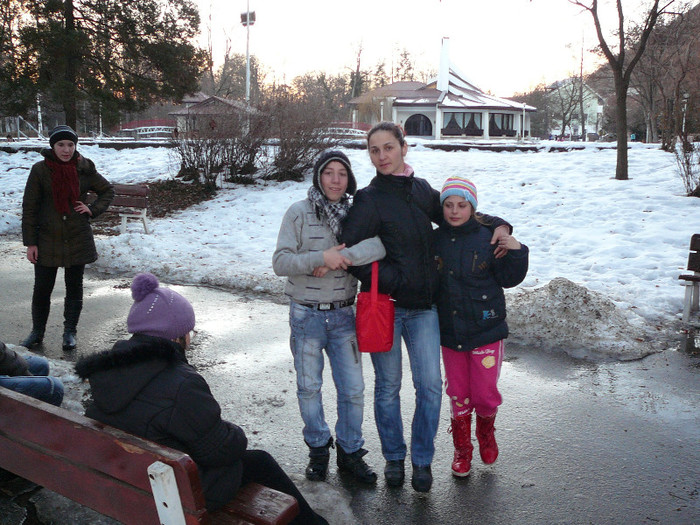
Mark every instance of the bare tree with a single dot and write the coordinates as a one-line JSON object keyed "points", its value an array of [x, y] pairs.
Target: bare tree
{"points": [[622, 67], [669, 69], [357, 79], [297, 125], [582, 113], [564, 97]]}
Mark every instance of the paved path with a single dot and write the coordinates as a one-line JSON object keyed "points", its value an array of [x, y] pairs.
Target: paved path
{"points": [[581, 443]]}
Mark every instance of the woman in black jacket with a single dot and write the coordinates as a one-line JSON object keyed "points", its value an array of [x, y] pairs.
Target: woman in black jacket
{"points": [[401, 208], [145, 386], [56, 229]]}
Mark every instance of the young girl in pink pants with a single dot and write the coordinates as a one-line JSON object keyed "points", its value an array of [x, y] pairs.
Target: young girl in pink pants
{"points": [[472, 313]]}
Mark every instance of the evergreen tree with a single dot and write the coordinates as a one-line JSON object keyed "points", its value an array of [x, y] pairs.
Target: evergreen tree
{"points": [[380, 78], [405, 69], [113, 54]]}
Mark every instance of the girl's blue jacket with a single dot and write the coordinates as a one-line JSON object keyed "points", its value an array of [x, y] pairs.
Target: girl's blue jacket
{"points": [[471, 302]]}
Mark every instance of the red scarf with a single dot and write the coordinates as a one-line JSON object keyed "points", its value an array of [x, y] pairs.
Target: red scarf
{"points": [[64, 184]]}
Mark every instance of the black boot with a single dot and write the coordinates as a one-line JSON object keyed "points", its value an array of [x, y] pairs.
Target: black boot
{"points": [[319, 457], [71, 315], [422, 478], [355, 465], [35, 338], [41, 306], [69, 342], [394, 472]]}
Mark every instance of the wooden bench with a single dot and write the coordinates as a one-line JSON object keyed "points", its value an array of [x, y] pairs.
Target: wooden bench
{"points": [[692, 281], [130, 202], [128, 478]]}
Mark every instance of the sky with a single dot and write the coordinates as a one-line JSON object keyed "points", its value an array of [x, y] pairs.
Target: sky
{"points": [[503, 46], [626, 240]]}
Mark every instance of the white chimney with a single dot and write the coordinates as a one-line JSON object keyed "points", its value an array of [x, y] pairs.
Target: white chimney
{"points": [[444, 74]]}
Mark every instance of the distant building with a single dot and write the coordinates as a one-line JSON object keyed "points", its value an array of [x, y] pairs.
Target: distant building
{"points": [[565, 95], [448, 106], [208, 114]]}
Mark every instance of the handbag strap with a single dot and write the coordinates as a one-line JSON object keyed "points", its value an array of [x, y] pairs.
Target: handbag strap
{"points": [[374, 287]]}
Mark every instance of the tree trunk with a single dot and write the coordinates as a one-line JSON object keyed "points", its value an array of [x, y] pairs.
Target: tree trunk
{"points": [[580, 101], [621, 171], [70, 95]]}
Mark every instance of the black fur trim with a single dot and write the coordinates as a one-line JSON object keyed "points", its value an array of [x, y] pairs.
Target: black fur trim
{"points": [[138, 349]]}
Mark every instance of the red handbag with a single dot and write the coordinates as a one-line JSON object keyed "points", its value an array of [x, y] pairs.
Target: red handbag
{"points": [[374, 321]]}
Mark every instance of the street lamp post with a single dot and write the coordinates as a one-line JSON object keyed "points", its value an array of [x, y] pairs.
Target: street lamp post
{"points": [[247, 19]]}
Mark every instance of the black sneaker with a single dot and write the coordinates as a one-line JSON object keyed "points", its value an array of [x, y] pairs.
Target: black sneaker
{"points": [[394, 472], [422, 478], [355, 465], [317, 469]]}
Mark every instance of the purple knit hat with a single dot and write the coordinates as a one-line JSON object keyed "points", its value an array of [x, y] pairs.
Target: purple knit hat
{"points": [[158, 311]]}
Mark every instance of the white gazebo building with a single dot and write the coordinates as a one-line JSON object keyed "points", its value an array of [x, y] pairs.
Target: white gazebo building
{"points": [[448, 106]]}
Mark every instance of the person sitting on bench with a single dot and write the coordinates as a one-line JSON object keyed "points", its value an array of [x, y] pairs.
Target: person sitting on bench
{"points": [[29, 376], [145, 386]]}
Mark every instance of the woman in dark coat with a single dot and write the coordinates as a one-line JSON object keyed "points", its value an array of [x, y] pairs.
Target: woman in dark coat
{"points": [[56, 229], [145, 386], [400, 208]]}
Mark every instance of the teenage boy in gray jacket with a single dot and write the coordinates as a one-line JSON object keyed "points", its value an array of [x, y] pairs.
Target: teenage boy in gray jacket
{"points": [[321, 316]]}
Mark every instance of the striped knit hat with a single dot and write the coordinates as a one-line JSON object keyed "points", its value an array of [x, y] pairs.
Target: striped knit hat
{"points": [[62, 132], [461, 187]]}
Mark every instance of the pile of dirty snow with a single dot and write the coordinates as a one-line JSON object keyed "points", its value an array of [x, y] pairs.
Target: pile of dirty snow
{"points": [[565, 317]]}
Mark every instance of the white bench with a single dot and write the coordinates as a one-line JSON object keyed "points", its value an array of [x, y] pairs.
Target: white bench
{"points": [[692, 281]]}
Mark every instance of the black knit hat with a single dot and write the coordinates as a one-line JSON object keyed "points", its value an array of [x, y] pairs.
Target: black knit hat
{"points": [[322, 162], [62, 132]]}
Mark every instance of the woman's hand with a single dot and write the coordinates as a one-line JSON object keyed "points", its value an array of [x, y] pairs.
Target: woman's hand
{"points": [[81, 207], [508, 242], [33, 254], [499, 235], [335, 260]]}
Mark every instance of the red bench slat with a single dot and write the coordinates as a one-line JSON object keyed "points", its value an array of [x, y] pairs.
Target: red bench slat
{"points": [[93, 464], [106, 469]]}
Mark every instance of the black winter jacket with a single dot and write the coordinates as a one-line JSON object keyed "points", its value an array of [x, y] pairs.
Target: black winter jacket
{"points": [[145, 386], [401, 211], [63, 241], [471, 302], [11, 363]]}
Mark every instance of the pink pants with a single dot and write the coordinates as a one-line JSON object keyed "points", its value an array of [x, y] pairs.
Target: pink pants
{"points": [[471, 379]]}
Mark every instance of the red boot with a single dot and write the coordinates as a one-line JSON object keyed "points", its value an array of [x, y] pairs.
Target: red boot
{"points": [[462, 437], [488, 448]]}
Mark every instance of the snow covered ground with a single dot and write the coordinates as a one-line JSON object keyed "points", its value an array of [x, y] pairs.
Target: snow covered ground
{"points": [[619, 245]]}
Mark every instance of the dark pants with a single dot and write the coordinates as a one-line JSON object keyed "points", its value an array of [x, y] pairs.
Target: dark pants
{"points": [[44, 280], [258, 467]]}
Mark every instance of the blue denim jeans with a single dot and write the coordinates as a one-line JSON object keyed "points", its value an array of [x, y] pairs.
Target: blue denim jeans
{"points": [[421, 334], [312, 331], [39, 385]]}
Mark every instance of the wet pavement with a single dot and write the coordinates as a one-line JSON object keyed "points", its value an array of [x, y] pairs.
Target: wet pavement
{"points": [[580, 442]]}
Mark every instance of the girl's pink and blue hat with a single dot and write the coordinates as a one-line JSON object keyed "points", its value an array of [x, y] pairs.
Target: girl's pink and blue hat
{"points": [[461, 187]]}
